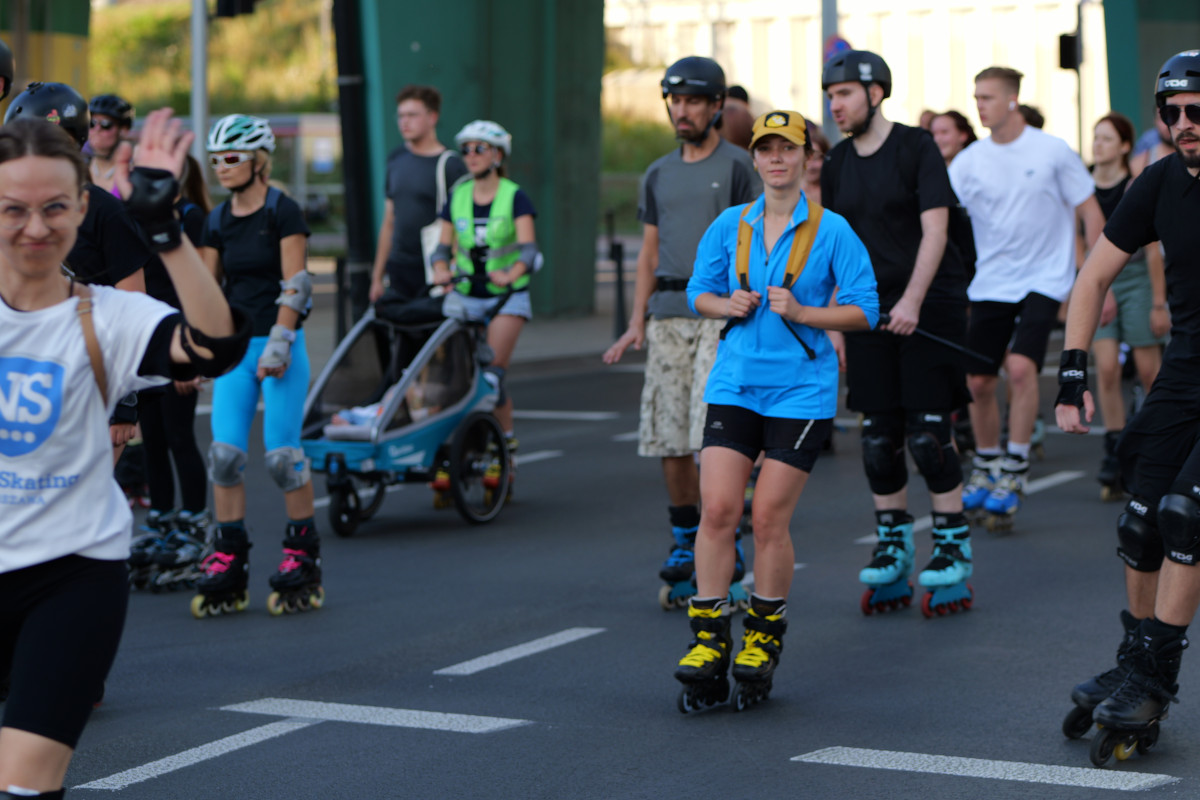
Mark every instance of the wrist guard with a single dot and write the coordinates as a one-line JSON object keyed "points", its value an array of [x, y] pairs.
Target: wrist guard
{"points": [[126, 412], [152, 206], [278, 350], [1072, 378]]}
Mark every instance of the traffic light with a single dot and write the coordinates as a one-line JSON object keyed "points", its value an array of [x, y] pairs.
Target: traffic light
{"points": [[231, 8]]}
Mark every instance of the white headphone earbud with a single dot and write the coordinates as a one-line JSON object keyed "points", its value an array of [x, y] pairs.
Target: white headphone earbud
{"points": [[1012, 104]]}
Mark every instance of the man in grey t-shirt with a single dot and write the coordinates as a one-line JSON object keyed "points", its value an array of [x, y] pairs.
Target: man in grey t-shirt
{"points": [[411, 190], [680, 195]]}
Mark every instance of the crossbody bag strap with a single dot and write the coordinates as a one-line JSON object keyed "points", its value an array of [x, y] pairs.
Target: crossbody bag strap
{"points": [[84, 311], [441, 181]]}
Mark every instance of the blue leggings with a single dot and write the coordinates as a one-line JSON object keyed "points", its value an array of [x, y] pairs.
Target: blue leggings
{"points": [[235, 399]]}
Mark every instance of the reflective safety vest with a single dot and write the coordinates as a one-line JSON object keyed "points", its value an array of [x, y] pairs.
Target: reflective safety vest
{"points": [[500, 251]]}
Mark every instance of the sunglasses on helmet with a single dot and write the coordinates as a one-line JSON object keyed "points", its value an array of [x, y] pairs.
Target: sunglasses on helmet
{"points": [[1170, 114], [102, 124], [229, 159]]}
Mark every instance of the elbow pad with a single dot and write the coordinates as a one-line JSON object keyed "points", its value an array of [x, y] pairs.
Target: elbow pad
{"points": [[226, 350], [531, 256], [441, 253], [296, 293]]}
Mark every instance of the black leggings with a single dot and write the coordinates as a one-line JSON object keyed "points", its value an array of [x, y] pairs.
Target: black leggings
{"points": [[169, 431], [60, 624]]}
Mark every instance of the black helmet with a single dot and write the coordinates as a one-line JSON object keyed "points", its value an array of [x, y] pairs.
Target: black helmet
{"points": [[695, 75], [7, 69], [858, 66], [113, 106], [1181, 73], [55, 102]]}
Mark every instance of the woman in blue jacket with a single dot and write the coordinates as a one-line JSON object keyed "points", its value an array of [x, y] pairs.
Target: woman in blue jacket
{"points": [[771, 268]]}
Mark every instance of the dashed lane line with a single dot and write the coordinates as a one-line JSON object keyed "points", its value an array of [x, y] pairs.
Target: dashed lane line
{"points": [[1033, 487], [631, 436], [302, 714], [519, 651], [987, 768], [575, 416]]}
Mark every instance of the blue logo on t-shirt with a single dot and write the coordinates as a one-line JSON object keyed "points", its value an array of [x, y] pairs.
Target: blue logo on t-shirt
{"points": [[31, 394]]}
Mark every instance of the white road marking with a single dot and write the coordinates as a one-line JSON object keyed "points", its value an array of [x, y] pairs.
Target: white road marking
{"points": [[1118, 780], [748, 580], [578, 416], [376, 715], [519, 651], [197, 754], [1033, 487], [205, 409], [632, 436], [627, 368]]}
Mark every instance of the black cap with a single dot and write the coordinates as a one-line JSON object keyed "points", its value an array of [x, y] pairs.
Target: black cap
{"points": [[54, 102], [695, 75], [1181, 73], [857, 66], [114, 106]]}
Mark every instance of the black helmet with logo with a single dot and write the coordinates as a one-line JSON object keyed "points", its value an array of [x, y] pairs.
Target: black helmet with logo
{"points": [[8, 69], [54, 102], [695, 75], [1181, 73], [112, 105], [858, 66]]}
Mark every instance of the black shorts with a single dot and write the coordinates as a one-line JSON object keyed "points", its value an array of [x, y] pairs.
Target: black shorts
{"points": [[1159, 448], [60, 624], [886, 372], [795, 442], [1022, 328]]}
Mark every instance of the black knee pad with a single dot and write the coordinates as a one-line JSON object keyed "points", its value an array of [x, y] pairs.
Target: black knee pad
{"points": [[1179, 524], [1141, 543], [883, 452], [931, 442]]}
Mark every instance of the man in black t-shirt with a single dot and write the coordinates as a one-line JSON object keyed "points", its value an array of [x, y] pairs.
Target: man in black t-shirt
{"points": [[889, 181], [412, 190], [1159, 450]]}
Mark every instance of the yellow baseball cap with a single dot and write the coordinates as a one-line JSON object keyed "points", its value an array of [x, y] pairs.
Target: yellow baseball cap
{"points": [[788, 124]]}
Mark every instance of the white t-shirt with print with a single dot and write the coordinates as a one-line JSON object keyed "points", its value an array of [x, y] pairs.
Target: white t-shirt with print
{"points": [[1022, 198], [57, 493]]}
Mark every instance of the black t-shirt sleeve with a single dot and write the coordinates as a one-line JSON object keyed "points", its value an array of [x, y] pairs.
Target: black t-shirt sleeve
{"points": [[1132, 222], [156, 361], [522, 205], [933, 182], [647, 209], [743, 190], [289, 219]]}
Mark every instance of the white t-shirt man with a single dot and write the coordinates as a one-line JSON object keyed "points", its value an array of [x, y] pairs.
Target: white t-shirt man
{"points": [[1022, 198], [57, 493]]}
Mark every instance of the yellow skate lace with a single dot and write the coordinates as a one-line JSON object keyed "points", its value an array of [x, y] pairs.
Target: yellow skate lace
{"points": [[702, 654], [753, 655]]}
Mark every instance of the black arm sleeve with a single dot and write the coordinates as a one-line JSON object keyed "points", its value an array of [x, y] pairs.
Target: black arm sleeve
{"points": [[933, 182]]}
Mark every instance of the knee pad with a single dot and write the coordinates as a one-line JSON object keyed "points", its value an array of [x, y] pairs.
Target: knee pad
{"points": [[931, 442], [1179, 524], [226, 464], [495, 376], [1141, 543], [883, 453], [288, 467]]}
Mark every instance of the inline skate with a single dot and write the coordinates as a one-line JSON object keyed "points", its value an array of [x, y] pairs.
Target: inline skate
{"points": [[1094, 691], [704, 670], [981, 482], [491, 476], [142, 568], [178, 555], [886, 577], [754, 667], [945, 576], [1129, 718], [221, 589], [1002, 504], [297, 583], [679, 569], [1109, 475]]}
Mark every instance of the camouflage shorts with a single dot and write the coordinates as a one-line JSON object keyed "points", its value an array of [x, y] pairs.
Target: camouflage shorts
{"points": [[680, 353]]}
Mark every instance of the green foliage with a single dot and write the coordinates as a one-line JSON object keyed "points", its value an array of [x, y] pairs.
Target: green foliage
{"points": [[631, 145], [273, 60]]}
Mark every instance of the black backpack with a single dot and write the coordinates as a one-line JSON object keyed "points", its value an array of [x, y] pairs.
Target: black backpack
{"points": [[958, 228]]}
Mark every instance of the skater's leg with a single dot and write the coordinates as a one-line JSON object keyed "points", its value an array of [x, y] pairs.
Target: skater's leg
{"points": [[683, 480], [503, 332], [31, 761], [1148, 360], [985, 412], [1108, 382], [1140, 546], [1022, 412], [1141, 588], [235, 400], [775, 497], [723, 475], [884, 461]]}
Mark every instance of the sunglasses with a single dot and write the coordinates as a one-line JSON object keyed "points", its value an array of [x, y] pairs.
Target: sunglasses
{"points": [[477, 149], [1170, 114], [229, 159], [102, 124]]}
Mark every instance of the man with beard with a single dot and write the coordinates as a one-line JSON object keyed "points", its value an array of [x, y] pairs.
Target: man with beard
{"points": [[680, 195], [1159, 530]]}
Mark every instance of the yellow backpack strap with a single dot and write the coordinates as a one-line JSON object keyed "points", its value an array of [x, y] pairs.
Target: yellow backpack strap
{"points": [[802, 243], [742, 262]]}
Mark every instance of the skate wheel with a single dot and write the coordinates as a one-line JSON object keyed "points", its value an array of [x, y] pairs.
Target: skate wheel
{"points": [[199, 607], [1125, 749], [441, 500], [1148, 739], [1102, 747], [664, 600], [1077, 722], [743, 697], [316, 598], [906, 601], [684, 701], [926, 611], [275, 605], [969, 600], [865, 603], [242, 602]]}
